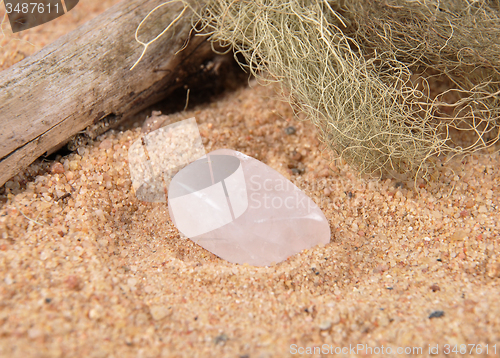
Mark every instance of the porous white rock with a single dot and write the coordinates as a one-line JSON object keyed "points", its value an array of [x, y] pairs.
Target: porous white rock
{"points": [[157, 156]]}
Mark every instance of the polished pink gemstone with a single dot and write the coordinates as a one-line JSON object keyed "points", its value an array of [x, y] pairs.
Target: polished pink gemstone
{"points": [[243, 211]]}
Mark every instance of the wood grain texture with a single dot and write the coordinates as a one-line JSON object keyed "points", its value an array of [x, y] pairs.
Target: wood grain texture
{"points": [[85, 77]]}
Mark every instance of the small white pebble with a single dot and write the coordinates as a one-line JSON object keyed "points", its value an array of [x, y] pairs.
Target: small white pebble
{"points": [[158, 312], [131, 282], [325, 325], [8, 280], [34, 333], [44, 255]]}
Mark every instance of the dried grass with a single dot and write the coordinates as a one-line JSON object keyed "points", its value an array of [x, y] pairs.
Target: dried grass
{"points": [[361, 71]]}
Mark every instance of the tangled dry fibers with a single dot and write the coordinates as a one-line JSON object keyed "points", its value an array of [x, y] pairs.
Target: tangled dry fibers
{"points": [[389, 84]]}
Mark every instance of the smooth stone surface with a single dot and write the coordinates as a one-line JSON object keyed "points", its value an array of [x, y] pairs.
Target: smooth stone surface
{"points": [[215, 186], [244, 212]]}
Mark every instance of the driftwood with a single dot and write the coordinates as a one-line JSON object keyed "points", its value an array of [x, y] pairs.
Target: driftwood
{"points": [[84, 77]]}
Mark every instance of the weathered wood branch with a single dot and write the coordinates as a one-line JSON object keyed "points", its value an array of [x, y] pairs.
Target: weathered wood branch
{"points": [[85, 77]]}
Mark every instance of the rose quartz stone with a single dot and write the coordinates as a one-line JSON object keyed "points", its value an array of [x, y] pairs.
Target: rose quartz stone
{"points": [[243, 211]]}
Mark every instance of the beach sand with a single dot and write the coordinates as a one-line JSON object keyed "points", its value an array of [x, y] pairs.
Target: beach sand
{"points": [[87, 270]]}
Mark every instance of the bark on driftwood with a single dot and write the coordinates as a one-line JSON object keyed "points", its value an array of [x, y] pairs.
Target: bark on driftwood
{"points": [[85, 77]]}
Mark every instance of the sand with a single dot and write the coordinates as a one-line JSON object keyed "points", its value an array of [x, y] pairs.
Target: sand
{"points": [[87, 270]]}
